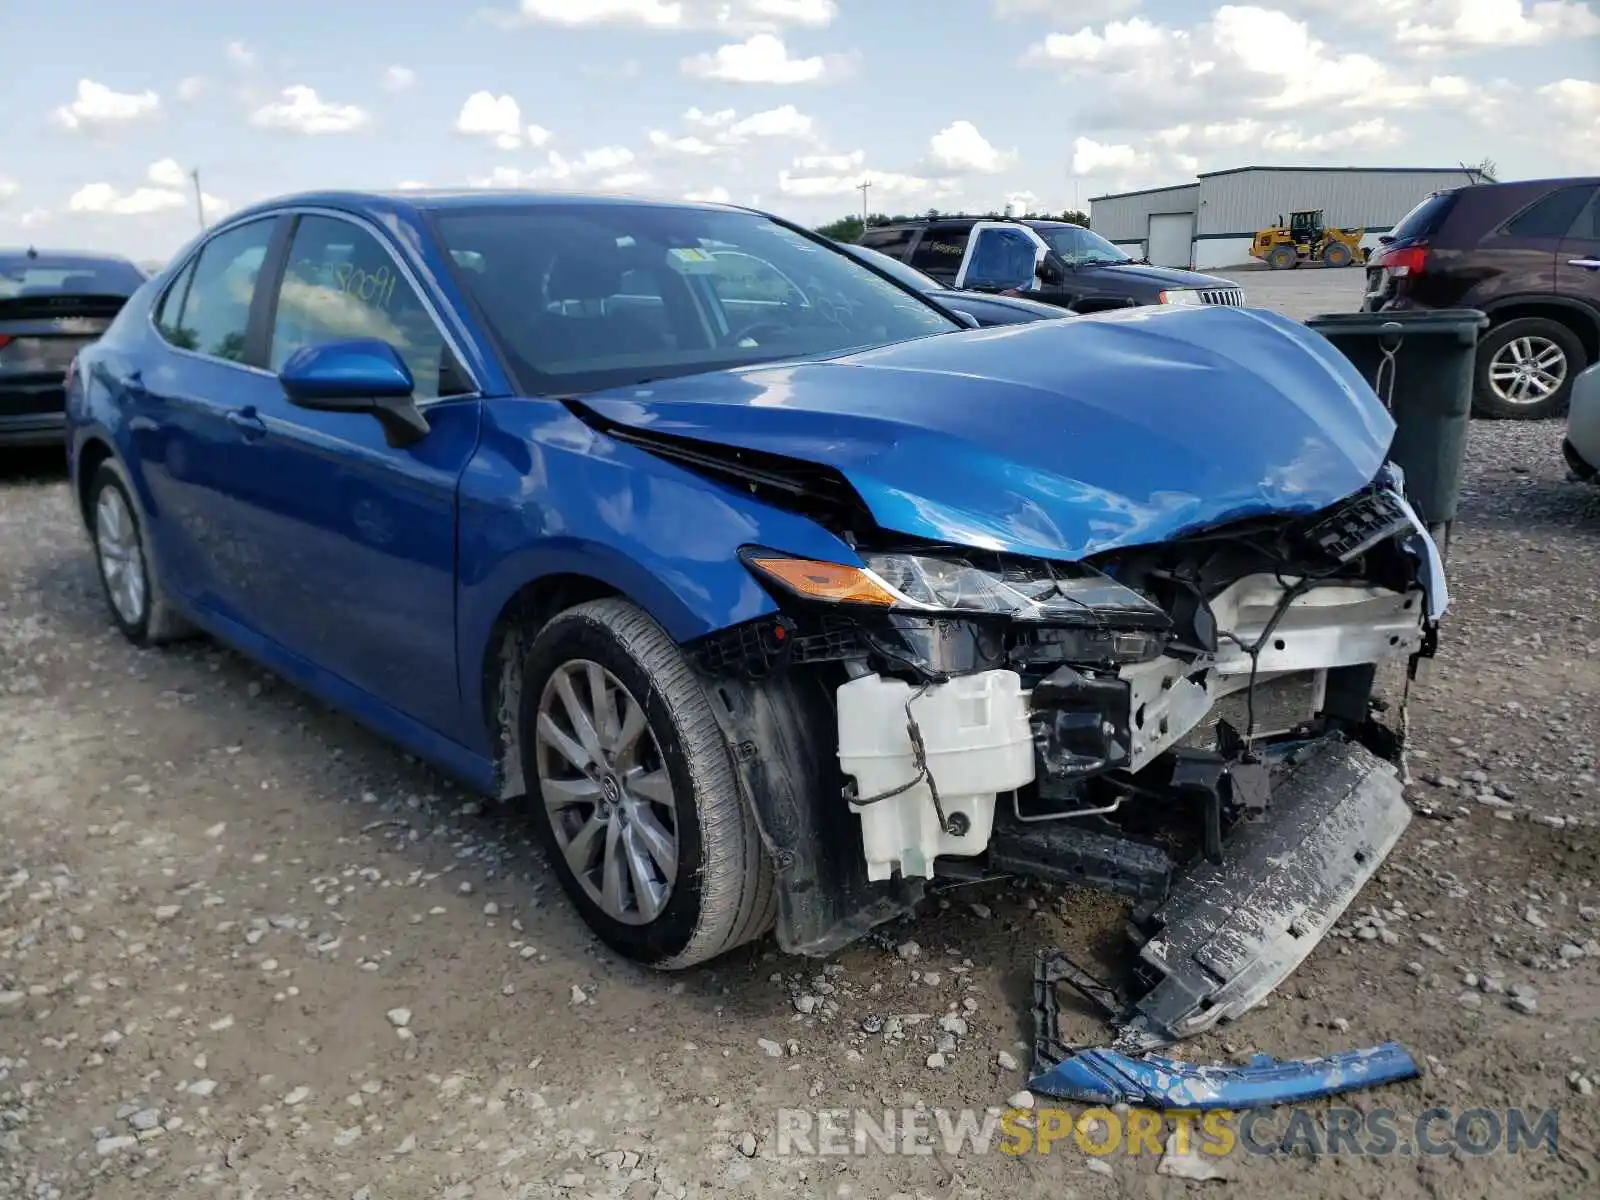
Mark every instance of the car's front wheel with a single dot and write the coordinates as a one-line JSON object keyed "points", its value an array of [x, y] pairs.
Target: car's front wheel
{"points": [[132, 589], [1525, 369], [635, 792]]}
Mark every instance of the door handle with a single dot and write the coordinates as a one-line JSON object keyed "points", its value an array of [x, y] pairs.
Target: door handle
{"points": [[1592, 264], [247, 422]]}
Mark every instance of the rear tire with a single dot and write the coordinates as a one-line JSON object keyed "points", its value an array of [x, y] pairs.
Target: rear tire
{"points": [[635, 794], [132, 588], [1525, 369], [1281, 258], [1337, 254]]}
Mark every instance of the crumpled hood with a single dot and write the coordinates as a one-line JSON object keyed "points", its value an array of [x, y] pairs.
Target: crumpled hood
{"points": [[1059, 438]]}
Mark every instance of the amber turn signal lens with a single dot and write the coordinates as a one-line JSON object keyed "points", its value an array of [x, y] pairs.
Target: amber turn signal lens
{"points": [[833, 582]]}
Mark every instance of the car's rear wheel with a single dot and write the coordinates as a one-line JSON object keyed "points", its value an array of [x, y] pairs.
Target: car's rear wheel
{"points": [[636, 799], [132, 589], [1525, 369], [1281, 258]]}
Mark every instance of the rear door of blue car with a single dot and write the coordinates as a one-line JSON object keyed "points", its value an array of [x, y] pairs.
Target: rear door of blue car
{"points": [[191, 397], [358, 538]]}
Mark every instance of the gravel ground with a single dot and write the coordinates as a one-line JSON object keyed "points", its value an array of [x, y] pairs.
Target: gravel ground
{"points": [[248, 950]]}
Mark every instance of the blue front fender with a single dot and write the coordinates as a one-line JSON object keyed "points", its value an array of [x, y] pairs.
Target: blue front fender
{"points": [[548, 496]]}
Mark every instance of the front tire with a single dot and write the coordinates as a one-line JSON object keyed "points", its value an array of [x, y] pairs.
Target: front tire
{"points": [[635, 794], [131, 586], [1526, 368]]}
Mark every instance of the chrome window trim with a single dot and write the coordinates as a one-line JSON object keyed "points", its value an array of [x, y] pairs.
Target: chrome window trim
{"points": [[386, 244]]}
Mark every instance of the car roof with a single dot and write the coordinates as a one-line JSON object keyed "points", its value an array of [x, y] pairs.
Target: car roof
{"points": [[418, 200], [62, 259]]}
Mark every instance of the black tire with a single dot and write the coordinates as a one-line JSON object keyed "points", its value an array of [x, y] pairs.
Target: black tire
{"points": [[1337, 254], [723, 892], [1540, 331], [1281, 258], [153, 621]]}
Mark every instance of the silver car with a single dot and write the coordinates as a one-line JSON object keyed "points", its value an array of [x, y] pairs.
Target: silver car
{"points": [[1582, 443]]}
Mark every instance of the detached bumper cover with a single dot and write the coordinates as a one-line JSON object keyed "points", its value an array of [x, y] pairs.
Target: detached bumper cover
{"points": [[1229, 933], [1106, 1077]]}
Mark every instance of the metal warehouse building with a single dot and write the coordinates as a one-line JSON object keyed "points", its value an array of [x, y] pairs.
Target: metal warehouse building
{"points": [[1210, 223]]}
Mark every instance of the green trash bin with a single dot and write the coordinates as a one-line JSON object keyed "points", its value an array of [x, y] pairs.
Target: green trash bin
{"points": [[1421, 366]]}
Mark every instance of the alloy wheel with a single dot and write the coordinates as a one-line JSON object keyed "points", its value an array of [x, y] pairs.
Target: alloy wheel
{"points": [[121, 556], [606, 791], [1527, 370]]}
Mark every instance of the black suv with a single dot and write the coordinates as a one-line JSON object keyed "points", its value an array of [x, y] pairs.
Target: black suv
{"points": [[1053, 261], [1526, 253]]}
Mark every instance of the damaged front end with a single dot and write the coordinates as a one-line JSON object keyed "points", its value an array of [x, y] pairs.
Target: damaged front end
{"points": [[1191, 724]]}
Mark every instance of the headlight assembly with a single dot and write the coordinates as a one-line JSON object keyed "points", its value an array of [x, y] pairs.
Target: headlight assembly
{"points": [[1181, 296], [1029, 590]]}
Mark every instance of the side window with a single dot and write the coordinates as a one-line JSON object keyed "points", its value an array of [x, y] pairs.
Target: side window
{"points": [[941, 249], [894, 242], [1553, 216], [341, 282], [1002, 258], [216, 305], [167, 314]]}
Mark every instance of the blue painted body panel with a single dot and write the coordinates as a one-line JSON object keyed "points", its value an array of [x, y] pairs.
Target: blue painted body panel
{"points": [[374, 576], [1058, 438]]}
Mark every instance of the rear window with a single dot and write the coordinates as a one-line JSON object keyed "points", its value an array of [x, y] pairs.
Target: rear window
{"points": [[1425, 219], [22, 276]]}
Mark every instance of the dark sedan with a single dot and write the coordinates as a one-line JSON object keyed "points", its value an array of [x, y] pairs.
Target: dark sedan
{"points": [[51, 306], [983, 307]]}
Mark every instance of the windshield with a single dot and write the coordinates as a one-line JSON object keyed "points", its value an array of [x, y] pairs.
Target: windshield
{"points": [[1078, 246], [23, 275], [892, 267], [583, 297]]}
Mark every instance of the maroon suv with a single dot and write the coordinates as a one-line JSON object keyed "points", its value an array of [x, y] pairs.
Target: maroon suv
{"points": [[1528, 254]]}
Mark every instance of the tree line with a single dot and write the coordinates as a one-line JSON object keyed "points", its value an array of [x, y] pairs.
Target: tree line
{"points": [[850, 229]]}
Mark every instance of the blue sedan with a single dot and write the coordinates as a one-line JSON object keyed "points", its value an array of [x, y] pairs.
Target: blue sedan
{"points": [[759, 576]]}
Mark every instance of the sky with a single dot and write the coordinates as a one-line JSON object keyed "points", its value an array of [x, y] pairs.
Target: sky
{"points": [[787, 105]]}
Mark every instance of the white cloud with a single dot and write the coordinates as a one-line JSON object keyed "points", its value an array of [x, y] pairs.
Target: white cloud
{"points": [[8, 188], [191, 88], [625, 181], [537, 136], [1572, 135], [763, 58], [496, 117], [611, 166], [960, 148], [884, 184], [98, 107], [302, 111], [1073, 10], [658, 14], [240, 55], [411, 185], [1121, 41], [830, 162], [398, 79], [709, 120], [1442, 26], [690, 145], [784, 122], [167, 173], [729, 16], [813, 13], [102, 198], [1090, 157], [712, 195]]}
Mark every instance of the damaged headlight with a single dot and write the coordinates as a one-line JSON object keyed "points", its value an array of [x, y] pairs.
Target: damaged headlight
{"points": [[1116, 622]]}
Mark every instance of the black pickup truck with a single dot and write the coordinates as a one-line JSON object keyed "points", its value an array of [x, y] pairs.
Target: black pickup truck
{"points": [[1052, 261]]}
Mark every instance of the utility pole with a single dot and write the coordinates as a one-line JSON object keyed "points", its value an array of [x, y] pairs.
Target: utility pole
{"points": [[863, 187], [199, 199]]}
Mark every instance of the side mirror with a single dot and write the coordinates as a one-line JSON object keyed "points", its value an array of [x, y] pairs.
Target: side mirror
{"points": [[1051, 271], [356, 375]]}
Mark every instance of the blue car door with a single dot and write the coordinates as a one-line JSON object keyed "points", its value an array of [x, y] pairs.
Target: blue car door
{"points": [[358, 538], [193, 395]]}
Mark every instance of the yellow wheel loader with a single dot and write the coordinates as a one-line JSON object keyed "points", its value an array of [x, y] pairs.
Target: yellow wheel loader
{"points": [[1306, 239]]}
